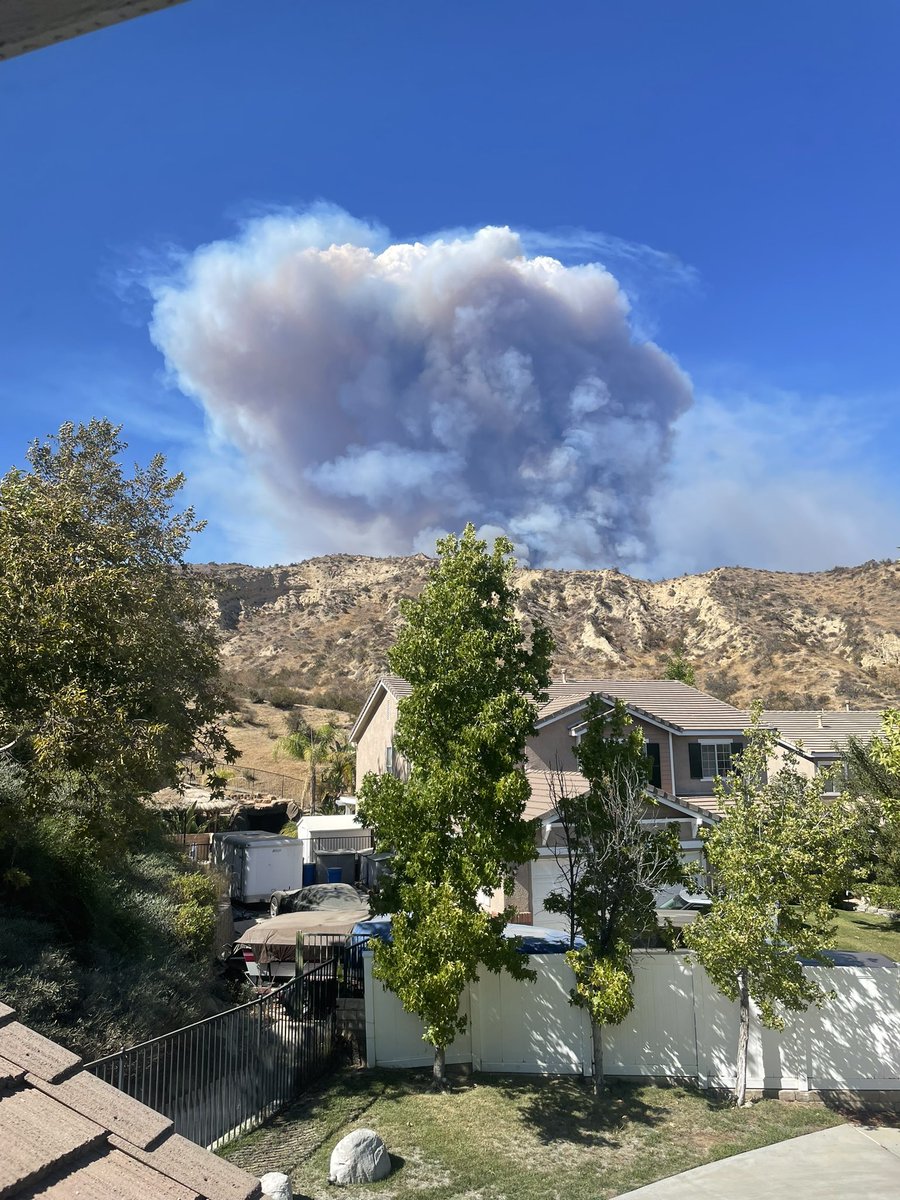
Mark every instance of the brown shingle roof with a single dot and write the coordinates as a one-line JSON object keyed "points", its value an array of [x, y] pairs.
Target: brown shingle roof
{"points": [[542, 802], [820, 732], [683, 708], [66, 1134]]}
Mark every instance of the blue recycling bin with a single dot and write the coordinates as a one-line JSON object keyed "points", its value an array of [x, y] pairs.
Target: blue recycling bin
{"points": [[309, 874], [335, 875]]}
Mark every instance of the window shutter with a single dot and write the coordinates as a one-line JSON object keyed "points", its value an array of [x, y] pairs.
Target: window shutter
{"points": [[695, 760], [655, 764], [736, 749]]}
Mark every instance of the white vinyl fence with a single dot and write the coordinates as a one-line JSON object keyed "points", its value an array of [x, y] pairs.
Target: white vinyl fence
{"points": [[681, 1028]]}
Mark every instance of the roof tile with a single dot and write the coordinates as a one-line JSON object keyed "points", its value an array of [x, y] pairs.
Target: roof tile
{"points": [[196, 1168], [683, 707], [10, 1074], [36, 1135], [37, 1054], [101, 1102], [114, 1176], [821, 732]]}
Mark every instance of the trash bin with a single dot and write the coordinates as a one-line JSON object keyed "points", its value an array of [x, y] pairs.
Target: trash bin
{"points": [[309, 874], [335, 875]]}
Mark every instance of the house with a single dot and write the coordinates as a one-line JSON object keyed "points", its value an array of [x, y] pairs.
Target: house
{"points": [[689, 737], [67, 1134], [818, 739]]}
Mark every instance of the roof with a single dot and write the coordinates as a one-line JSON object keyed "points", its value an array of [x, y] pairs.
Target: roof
{"points": [[821, 732], [28, 26], [541, 802], [387, 684], [682, 708], [67, 1134], [318, 822]]}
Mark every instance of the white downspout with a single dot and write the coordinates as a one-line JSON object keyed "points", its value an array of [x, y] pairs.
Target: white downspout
{"points": [[672, 764]]}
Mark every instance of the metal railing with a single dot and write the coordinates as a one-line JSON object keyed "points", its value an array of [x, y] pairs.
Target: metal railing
{"points": [[221, 1077], [343, 841]]}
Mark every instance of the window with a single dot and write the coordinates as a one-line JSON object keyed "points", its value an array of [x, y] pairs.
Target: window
{"points": [[711, 758], [389, 760], [715, 758]]}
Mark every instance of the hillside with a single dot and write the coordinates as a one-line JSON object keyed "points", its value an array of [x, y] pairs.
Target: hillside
{"points": [[822, 639]]}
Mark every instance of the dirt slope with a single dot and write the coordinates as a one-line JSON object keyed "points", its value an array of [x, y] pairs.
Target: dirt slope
{"points": [[794, 640]]}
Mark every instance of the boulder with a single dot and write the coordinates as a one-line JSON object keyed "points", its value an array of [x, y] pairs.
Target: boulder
{"points": [[276, 1186], [360, 1157]]}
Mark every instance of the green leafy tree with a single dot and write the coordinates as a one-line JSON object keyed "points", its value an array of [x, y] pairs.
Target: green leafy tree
{"points": [[611, 864], [874, 773], [776, 858], [455, 825], [679, 667], [109, 657]]}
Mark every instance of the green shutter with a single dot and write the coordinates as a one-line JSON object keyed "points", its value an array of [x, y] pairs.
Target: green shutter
{"points": [[655, 764], [695, 760]]}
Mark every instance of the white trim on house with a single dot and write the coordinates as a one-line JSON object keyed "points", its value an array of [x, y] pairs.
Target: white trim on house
{"points": [[365, 716]]}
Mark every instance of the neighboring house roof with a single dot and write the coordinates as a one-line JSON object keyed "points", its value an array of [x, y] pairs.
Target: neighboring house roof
{"points": [[65, 1134], [542, 800], [681, 708], [823, 732], [669, 702], [387, 684]]}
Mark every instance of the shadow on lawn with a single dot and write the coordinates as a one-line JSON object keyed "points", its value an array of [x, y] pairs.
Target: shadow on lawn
{"points": [[560, 1109]]}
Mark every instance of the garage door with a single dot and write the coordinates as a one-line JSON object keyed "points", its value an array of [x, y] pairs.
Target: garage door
{"points": [[546, 878]]}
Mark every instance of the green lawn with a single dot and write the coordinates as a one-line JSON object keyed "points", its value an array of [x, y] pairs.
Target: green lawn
{"points": [[867, 931], [514, 1137]]}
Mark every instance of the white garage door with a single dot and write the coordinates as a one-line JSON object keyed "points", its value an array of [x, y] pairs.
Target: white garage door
{"points": [[546, 878]]}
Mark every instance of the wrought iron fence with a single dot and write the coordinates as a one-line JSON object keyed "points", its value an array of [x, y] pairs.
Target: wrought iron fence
{"points": [[346, 950], [221, 1077]]}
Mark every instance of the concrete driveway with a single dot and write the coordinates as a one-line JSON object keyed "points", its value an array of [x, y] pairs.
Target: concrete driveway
{"points": [[849, 1162]]}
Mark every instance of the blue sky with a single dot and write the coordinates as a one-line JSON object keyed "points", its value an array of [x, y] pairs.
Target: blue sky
{"points": [[735, 168]]}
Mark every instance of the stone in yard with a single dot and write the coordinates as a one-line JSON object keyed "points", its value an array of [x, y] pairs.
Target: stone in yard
{"points": [[276, 1186], [360, 1157]]}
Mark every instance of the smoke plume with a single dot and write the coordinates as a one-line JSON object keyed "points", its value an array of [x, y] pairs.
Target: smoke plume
{"points": [[384, 392]]}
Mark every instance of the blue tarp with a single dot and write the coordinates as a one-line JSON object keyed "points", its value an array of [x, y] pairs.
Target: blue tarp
{"points": [[534, 940]]}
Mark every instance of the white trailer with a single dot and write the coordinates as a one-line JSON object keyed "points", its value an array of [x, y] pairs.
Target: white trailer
{"points": [[258, 863]]}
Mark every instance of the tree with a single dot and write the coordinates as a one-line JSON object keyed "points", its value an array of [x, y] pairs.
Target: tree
{"points": [[612, 866], [326, 752], [455, 825], [777, 856], [679, 667], [109, 659], [874, 773]]}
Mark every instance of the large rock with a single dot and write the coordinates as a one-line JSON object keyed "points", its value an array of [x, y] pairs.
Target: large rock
{"points": [[276, 1186], [360, 1157]]}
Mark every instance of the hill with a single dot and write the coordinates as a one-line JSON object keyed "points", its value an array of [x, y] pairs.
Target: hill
{"points": [[822, 639]]}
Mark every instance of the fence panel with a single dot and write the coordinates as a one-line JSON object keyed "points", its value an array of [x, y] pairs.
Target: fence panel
{"points": [[223, 1076]]}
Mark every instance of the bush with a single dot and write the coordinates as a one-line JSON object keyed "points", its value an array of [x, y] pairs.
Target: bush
{"points": [[881, 895], [284, 697], [194, 922]]}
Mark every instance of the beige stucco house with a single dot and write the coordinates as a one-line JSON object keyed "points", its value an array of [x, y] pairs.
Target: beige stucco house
{"points": [[690, 738]]}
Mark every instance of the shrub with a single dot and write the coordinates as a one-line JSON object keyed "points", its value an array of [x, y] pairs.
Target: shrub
{"points": [[881, 895], [284, 697], [194, 922]]}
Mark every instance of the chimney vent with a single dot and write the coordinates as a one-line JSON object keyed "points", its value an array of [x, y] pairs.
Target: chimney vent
{"points": [[821, 726], [564, 679]]}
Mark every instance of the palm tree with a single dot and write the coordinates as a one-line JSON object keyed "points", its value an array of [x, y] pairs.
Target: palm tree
{"points": [[325, 750]]}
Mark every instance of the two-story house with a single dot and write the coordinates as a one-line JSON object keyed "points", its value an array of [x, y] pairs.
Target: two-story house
{"points": [[689, 737]]}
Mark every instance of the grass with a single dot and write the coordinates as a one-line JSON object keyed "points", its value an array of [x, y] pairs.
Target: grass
{"points": [[505, 1137], [867, 931]]}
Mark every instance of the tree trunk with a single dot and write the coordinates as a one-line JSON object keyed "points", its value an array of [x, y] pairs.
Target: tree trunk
{"points": [[439, 1070], [740, 1086], [597, 1045], [312, 786]]}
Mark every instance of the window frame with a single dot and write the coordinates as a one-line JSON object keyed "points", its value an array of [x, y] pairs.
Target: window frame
{"points": [[728, 743]]}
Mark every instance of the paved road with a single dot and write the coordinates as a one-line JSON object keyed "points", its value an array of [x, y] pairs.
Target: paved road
{"points": [[845, 1163]]}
